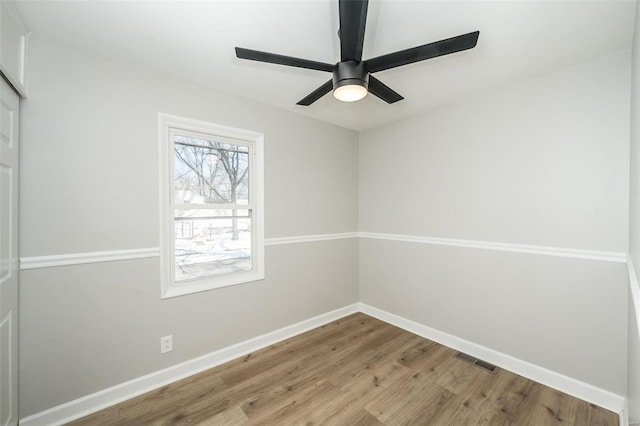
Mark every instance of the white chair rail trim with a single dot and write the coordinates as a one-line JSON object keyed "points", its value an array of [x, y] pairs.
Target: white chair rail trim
{"points": [[33, 262], [605, 256], [87, 257]]}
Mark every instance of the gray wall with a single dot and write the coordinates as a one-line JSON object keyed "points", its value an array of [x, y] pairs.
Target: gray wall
{"points": [[89, 182], [542, 162], [634, 224]]}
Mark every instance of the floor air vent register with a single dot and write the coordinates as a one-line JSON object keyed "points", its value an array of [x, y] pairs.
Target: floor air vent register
{"points": [[477, 362]]}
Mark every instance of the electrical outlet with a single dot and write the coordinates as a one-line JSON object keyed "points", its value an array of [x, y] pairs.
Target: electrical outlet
{"points": [[166, 344]]}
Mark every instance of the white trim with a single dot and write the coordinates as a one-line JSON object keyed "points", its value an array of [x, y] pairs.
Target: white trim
{"points": [[635, 303], [309, 238], [12, 392], [624, 414], [89, 257], [198, 285], [635, 290], [34, 262], [604, 256], [169, 125], [19, 81], [113, 255], [584, 391], [86, 405], [228, 206], [25, 64]]}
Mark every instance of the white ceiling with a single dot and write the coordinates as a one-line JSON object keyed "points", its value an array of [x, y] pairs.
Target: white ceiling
{"points": [[195, 41]]}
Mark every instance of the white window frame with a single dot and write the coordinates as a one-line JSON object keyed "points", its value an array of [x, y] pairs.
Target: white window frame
{"points": [[168, 124]]}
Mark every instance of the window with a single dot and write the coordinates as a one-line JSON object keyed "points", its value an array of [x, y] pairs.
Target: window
{"points": [[212, 206]]}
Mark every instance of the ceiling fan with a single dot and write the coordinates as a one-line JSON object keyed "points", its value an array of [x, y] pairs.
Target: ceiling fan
{"points": [[352, 78]]}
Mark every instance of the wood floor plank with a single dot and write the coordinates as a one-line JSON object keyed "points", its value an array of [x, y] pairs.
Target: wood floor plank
{"points": [[463, 416], [234, 416], [555, 408], [363, 387], [592, 415], [399, 404], [355, 371], [296, 364], [483, 394], [414, 355], [459, 376], [261, 406], [432, 364], [165, 399], [101, 418], [299, 411], [373, 352], [362, 418], [294, 350], [436, 400], [518, 405]]}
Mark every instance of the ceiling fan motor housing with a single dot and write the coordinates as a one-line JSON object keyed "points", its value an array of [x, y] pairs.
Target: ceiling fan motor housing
{"points": [[350, 73]]}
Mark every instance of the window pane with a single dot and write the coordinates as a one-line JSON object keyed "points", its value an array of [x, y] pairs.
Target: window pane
{"points": [[208, 244], [206, 171]]}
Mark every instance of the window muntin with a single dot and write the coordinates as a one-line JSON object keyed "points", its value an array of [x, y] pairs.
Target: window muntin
{"points": [[213, 206]]}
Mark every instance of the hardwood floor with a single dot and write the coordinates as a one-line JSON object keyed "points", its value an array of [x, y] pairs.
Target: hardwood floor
{"points": [[354, 371]]}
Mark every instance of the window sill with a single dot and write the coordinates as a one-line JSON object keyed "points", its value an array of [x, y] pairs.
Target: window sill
{"points": [[205, 284]]}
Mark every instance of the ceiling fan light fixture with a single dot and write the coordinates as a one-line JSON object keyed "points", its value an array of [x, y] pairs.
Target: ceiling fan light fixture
{"points": [[350, 92], [350, 81]]}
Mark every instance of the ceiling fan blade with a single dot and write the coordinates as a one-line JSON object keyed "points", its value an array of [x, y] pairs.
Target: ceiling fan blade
{"points": [[317, 94], [353, 19], [272, 58], [384, 92], [420, 53]]}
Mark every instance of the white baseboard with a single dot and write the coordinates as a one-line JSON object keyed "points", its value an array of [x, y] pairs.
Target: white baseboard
{"points": [[558, 381], [624, 414], [86, 405]]}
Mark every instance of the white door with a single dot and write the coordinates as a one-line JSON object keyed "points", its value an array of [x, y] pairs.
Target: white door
{"points": [[8, 255]]}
